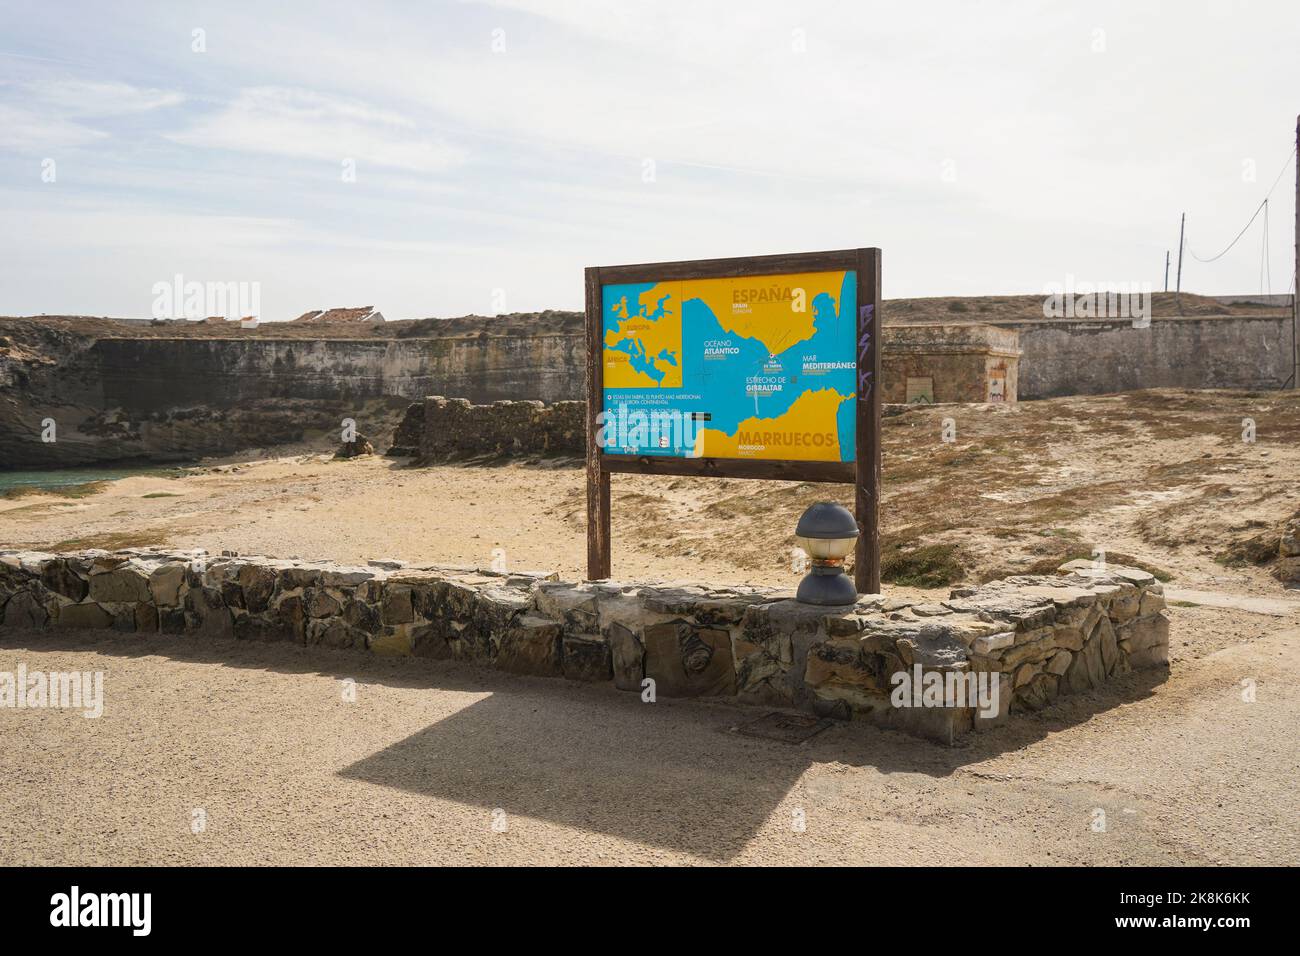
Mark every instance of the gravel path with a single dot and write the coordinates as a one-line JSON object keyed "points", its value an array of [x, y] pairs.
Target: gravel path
{"points": [[414, 770]]}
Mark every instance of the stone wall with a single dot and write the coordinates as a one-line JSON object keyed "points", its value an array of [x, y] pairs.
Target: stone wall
{"points": [[970, 363], [963, 363], [165, 399], [1038, 637], [144, 374], [1102, 356], [455, 428], [409, 434], [162, 395]]}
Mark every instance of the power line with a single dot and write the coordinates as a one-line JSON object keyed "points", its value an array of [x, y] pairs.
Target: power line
{"points": [[1263, 205], [1234, 241]]}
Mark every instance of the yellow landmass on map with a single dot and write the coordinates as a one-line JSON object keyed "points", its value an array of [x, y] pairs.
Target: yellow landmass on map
{"points": [[806, 432], [654, 335], [776, 310]]}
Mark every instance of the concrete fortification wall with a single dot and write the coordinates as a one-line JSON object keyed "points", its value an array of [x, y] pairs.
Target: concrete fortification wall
{"points": [[177, 392], [171, 397], [145, 374], [1096, 357]]}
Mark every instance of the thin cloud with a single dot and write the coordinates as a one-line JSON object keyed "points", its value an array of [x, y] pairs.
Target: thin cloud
{"points": [[49, 115], [27, 131], [82, 98], [306, 124]]}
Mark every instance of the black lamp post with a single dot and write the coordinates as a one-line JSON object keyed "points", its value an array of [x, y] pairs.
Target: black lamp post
{"points": [[827, 533]]}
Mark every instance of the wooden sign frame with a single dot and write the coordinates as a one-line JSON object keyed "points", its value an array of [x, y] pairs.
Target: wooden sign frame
{"points": [[863, 473]]}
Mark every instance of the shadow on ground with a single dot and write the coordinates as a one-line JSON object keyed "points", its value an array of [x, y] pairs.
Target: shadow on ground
{"points": [[537, 462], [672, 774], [636, 771]]}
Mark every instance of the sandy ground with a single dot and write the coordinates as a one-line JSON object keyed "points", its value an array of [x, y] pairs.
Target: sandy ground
{"points": [[419, 767], [1161, 476], [1185, 770]]}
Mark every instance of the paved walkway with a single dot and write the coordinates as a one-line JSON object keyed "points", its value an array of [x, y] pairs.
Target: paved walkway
{"points": [[1275, 607], [435, 763]]}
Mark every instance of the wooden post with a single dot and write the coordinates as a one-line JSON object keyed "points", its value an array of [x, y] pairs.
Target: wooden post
{"points": [[598, 544], [866, 561], [1295, 295], [1178, 282]]}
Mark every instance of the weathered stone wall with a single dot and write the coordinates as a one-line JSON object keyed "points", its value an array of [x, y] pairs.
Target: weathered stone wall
{"points": [[1059, 358], [409, 434], [166, 399], [962, 361], [143, 374], [1038, 637], [456, 428], [1098, 357], [965, 363]]}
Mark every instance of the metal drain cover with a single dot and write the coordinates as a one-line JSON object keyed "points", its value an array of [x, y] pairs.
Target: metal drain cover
{"points": [[787, 728]]}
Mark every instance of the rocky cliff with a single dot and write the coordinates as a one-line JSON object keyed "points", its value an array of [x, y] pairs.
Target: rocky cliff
{"points": [[118, 391], [167, 391]]}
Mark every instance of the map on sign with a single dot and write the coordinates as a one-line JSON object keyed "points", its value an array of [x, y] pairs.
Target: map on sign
{"points": [[762, 367]]}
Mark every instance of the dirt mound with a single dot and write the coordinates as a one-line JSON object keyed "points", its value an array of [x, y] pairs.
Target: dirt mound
{"points": [[366, 321], [1029, 308]]}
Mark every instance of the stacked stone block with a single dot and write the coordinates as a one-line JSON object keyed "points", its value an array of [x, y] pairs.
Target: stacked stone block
{"points": [[454, 428], [1039, 637]]}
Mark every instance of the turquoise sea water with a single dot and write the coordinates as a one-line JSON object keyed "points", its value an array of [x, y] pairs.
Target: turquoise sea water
{"points": [[69, 477]]}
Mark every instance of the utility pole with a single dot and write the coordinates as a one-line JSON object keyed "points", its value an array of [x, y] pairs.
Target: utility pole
{"points": [[1178, 287], [1295, 293], [1166, 270]]}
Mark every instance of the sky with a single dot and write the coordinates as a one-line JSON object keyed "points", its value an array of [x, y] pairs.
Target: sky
{"points": [[445, 158]]}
